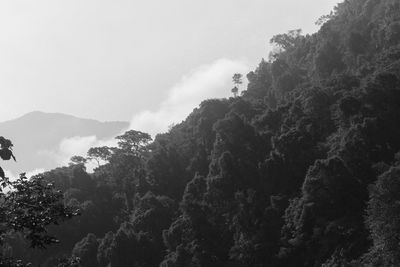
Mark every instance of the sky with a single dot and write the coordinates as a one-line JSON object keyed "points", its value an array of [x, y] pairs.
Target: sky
{"points": [[149, 62]]}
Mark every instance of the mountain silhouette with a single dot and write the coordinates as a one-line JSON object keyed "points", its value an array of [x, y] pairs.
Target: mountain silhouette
{"points": [[37, 137]]}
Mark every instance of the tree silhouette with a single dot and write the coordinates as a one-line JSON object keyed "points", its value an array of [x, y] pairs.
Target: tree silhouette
{"points": [[99, 154], [235, 91], [133, 141], [237, 80]]}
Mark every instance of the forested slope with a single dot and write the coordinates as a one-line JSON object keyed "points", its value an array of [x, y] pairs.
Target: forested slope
{"points": [[302, 170]]}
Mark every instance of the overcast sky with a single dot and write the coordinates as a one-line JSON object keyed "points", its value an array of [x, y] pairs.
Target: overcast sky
{"points": [[135, 59]]}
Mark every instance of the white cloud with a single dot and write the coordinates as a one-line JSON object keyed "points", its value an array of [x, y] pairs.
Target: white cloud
{"points": [[75, 146], [205, 82], [10, 174], [208, 81], [79, 145]]}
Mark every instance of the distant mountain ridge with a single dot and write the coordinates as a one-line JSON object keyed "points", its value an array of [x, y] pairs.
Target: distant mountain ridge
{"points": [[38, 131]]}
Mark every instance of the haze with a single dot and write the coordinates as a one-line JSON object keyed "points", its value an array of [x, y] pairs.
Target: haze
{"points": [[125, 60]]}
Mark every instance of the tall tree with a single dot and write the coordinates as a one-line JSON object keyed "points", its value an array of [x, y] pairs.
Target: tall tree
{"points": [[237, 81]]}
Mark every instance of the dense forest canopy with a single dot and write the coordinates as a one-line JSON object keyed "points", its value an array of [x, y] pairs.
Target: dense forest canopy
{"points": [[303, 169]]}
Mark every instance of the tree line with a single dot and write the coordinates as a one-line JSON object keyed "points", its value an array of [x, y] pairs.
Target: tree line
{"points": [[302, 169]]}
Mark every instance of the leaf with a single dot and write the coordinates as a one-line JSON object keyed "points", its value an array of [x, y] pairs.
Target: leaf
{"points": [[2, 174], [5, 153]]}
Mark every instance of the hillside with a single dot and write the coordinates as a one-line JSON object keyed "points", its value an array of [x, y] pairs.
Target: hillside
{"points": [[301, 170], [37, 135]]}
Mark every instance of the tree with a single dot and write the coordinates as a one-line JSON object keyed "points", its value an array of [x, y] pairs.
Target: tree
{"points": [[28, 206], [286, 40], [78, 160], [235, 91], [133, 141], [324, 18], [99, 154], [237, 80]]}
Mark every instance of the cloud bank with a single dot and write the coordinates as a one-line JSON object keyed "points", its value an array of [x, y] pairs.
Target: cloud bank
{"points": [[75, 146], [79, 145], [208, 81]]}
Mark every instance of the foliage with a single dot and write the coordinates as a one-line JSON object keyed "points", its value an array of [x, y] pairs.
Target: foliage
{"points": [[287, 40], [300, 170], [383, 219], [29, 207]]}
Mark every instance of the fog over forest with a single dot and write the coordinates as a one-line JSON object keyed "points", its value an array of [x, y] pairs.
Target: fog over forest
{"points": [[200, 134]]}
